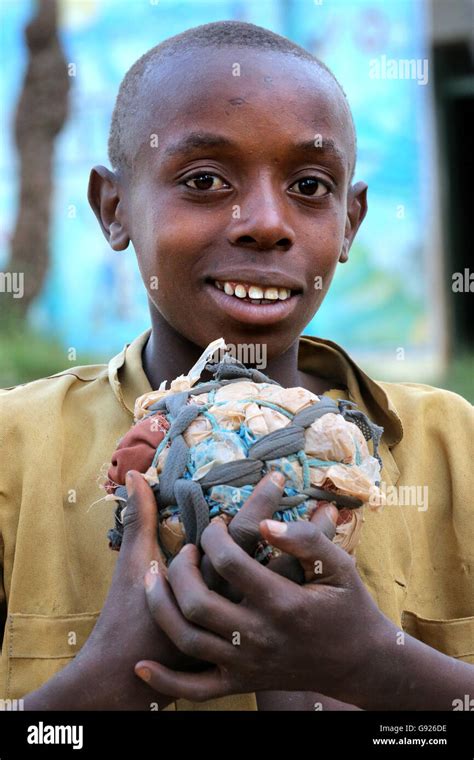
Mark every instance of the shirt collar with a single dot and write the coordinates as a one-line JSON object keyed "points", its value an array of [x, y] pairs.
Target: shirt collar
{"points": [[315, 355], [328, 360], [126, 374]]}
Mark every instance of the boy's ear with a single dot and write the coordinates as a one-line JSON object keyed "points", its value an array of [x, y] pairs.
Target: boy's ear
{"points": [[104, 198], [356, 211]]}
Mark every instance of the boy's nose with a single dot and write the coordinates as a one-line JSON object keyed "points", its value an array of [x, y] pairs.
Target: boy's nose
{"points": [[263, 224]]}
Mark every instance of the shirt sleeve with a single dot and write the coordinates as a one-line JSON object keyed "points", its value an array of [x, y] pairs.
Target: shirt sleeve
{"points": [[435, 461]]}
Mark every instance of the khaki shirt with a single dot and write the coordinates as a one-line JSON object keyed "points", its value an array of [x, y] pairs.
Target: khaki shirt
{"points": [[57, 435]]}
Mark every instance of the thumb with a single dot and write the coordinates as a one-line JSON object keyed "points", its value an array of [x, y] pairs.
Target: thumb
{"points": [[321, 560], [140, 516], [324, 516], [261, 504]]}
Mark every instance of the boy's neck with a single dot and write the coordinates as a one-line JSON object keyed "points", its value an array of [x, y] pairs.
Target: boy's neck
{"points": [[168, 354]]}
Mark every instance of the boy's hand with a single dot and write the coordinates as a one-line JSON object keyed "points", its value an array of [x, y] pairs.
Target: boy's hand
{"points": [[101, 676], [282, 636], [245, 531]]}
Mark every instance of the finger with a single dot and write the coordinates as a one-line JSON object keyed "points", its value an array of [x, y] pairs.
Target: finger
{"points": [[284, 565], [288, 567], [324, 516], [197, 687], [140, 518], [321, 560], [214, 582], [189, 639], [197, 603], [231, 562], [244, 529], [261, 504]]}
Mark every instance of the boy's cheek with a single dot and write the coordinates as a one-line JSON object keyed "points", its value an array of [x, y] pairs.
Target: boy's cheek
{"points": [[320, 276]]}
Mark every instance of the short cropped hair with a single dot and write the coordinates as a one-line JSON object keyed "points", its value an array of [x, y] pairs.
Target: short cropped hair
{"points": [[218, 34]]}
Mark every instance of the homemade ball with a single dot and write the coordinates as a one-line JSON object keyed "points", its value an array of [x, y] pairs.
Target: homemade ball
{"points": [[203, 448]]}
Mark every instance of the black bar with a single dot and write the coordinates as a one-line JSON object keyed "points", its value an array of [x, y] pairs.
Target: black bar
{"points": [[140, 734]]}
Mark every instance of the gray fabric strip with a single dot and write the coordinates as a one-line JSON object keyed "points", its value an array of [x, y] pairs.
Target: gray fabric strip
{"points": [[194, 509], [280, 443]]}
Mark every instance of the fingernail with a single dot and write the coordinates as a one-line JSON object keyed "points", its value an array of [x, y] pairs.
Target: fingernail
{"points": [[275, 527], [277, 477], [325, 508], [332, 512], [129, 482], [143, 673]]}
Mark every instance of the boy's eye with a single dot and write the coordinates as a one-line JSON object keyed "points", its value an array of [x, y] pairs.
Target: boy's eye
{"points": [[310, 186], [205, 181]]}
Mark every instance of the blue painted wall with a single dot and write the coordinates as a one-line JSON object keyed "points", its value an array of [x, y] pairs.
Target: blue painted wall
{"points": [[94, 298]]}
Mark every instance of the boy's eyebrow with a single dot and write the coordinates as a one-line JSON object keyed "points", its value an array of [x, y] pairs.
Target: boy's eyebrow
{"points": [[196, 140], [328, 145]]}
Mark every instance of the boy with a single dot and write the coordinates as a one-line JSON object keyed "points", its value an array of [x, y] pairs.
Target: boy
{"points": [[224, 183]]}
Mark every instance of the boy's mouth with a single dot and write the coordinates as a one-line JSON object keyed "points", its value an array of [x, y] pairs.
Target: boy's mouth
{"points": [[253, 303]]}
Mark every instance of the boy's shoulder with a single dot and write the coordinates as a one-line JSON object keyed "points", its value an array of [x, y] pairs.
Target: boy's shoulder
{"points": [[110, 387], [33, 401], [407, 397], [52, 384], [433, 419], [72, 416], [82, 373]]}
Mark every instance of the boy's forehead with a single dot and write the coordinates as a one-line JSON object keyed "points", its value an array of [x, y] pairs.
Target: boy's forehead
{"points": [[234, 89]]}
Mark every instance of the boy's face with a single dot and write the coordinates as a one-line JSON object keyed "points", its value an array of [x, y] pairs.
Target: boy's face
{"points": [[238, 178]]}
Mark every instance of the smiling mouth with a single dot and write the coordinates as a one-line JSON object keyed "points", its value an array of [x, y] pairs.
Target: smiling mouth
{"points": [[255, 294], [240, 306]]}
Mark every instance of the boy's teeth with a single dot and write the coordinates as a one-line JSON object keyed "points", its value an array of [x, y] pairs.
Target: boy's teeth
{"points": [[255, 292], [242, 290], [271, 293]]}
